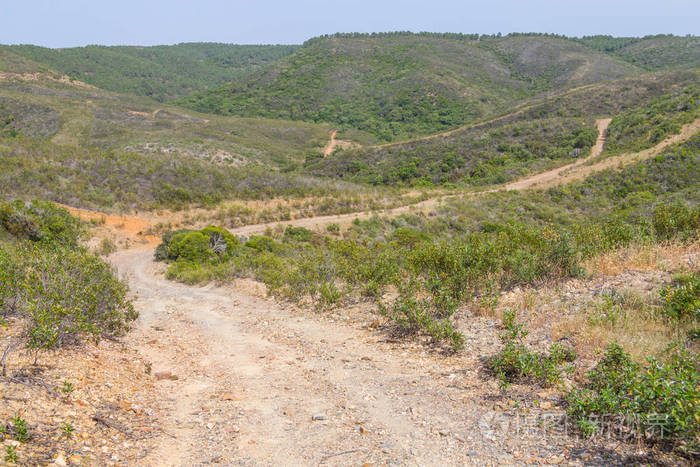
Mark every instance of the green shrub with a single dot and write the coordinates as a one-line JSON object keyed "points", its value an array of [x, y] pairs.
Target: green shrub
{"points": [[40, 221], [69, 296], [263, 243], [161, 253], [107, 247], [221, 241], [664, 398], [11, 279], [197, 246], [333, 229], [682, 298], [329, 293], [19, 429], [516, 362], [428, 315], [190, 246], [407, 236], [299, 234], [61, 294], [671, 220]]}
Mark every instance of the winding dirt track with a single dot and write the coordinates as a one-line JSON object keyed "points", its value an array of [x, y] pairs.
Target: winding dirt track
{"points": [[578, 170], [330, 147], [252, 372]]}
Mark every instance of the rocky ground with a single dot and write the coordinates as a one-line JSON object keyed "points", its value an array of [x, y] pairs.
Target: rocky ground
{"points": [[94, 405], [226, 375]]}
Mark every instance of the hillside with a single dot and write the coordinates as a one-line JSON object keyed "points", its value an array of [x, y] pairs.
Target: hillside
{"points": [[159, 72], [644, 109], [48, 105], [397, 85], [66, 141], [513, 279], [650, 52]]}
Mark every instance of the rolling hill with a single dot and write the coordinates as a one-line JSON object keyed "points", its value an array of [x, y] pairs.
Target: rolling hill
{"points": [[644, 108], [402, 84], [650, 52], [67, 141], [160, 72]]}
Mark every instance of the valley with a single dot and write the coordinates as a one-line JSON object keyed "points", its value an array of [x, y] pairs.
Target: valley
{"points": [[369, 249]]}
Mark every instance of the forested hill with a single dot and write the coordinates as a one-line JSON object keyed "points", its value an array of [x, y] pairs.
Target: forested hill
{"points": [[650, 52], [399, 84], [160, 72]]}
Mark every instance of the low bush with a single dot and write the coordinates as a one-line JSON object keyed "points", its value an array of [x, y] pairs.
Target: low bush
{"points": [[197, 246], [661, 399], [59, 293], [677, 219], [263, 243], [682, 298], [299, 234], [518, 363], [40, 221], [63, 297], [190, 246], [429, 315]]}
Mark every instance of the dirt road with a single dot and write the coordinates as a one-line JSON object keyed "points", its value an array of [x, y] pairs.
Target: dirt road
{"points": [[330, 147], [578, 170], [554, 176], [252, 375]]}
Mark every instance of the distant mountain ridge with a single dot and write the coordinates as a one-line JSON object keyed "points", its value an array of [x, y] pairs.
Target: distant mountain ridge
{"points": [[159, 72], [395, 85]]}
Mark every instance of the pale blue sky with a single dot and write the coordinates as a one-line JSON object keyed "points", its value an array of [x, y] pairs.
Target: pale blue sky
{"points": [[63, 23]]}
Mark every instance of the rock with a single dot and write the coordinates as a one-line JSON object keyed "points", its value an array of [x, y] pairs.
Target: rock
{"points": [[160, 375], [60, 460], [228, 396], [319, 417]]}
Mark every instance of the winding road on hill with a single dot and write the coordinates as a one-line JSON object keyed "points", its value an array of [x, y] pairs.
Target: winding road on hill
{"points": [[332, 144], [251, 381]]}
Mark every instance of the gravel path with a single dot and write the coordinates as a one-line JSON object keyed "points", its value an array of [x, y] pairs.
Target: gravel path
{"points": [[243, 378]]}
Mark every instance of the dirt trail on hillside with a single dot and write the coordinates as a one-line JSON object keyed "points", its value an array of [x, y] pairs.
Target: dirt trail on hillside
{"points": [[336, 143], [578, 170], [330, 147], [252, 374], [519, 111], [555, 175]]}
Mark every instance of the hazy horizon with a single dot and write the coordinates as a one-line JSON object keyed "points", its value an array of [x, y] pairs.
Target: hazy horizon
{"points": [[72, 23]]}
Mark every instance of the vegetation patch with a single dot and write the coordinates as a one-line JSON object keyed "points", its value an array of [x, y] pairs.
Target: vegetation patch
{"points": [[516, 362], [58, 294], [659, 402]]}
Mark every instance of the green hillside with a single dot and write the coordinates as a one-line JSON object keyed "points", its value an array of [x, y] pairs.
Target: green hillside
{"points": [[42, 104], [650, 52], [401, 84], [645, 108], [72, 143], [159, 72]]}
